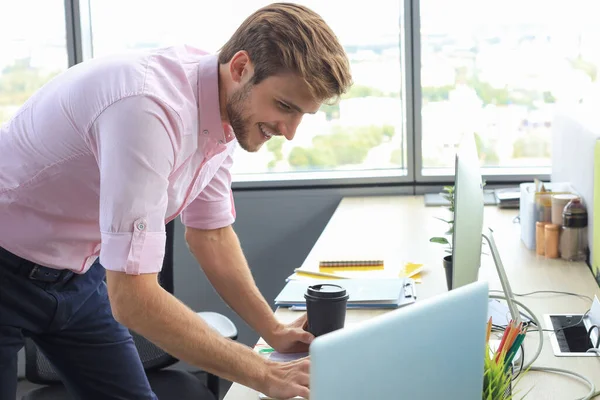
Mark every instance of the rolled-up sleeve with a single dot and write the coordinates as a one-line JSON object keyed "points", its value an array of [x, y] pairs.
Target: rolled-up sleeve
{"points": [[135, 155], [214, 207]]}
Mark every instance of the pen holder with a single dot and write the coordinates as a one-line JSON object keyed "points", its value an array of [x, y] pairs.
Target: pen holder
{"points": [[508, 391]]}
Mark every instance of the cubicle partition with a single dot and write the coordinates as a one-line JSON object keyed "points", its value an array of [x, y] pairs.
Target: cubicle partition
{"points": [[575, 133]]}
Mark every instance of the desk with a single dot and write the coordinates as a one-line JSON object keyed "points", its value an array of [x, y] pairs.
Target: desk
{"points": [[398, 229]]}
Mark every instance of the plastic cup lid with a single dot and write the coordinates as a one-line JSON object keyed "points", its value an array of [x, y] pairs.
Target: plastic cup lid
{"points": [[326, 291]]}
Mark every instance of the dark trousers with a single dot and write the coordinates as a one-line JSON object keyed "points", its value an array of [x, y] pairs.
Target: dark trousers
{"points": [[69, 317]]}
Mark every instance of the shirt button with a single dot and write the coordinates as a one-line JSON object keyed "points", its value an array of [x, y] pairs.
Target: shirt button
{"points": [[205, 131], [141, 226]]}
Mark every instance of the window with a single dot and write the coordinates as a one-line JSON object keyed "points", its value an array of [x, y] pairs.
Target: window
{"points": [[33, 43], [362, 135], [425, 73], [498, 69]]}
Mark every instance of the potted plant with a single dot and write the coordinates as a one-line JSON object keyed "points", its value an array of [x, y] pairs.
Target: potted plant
{"points": [[448, 194], [446, 240], [497, 383], [497, 378]]}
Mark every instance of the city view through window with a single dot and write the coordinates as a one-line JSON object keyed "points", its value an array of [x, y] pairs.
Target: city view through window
{"points": [[495, 69]]}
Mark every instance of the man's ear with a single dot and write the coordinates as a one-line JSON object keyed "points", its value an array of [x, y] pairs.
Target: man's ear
{"points": [[240, 67]]}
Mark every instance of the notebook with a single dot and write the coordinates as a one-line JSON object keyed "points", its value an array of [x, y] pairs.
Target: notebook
{"points": [[363, 293]]}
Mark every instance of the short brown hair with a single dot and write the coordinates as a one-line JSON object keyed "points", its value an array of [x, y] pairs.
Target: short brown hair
{"points": [[285, 37]]}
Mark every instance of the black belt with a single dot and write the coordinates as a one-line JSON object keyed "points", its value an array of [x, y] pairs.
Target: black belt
{"points": [[30, 269], [45, 274]]}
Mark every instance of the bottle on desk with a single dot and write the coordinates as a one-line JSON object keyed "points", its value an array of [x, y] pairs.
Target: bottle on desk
{"points": [[551, 240], [573, 238], [540, 237]]}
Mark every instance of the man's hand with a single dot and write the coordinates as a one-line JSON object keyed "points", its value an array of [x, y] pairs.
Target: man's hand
{"points": [[288, 380], [219, 253], [291, 338]]}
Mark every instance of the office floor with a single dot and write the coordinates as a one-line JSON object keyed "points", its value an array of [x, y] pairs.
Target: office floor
{"points": [[24, 387]]}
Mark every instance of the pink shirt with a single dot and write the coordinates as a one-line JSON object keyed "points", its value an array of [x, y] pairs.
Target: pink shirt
{"points": [[103, 156]]}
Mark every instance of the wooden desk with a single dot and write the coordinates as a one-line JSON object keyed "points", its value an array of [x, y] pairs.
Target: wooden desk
{"points": [[399, 228]]}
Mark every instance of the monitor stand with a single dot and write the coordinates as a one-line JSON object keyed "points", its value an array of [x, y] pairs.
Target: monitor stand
{"points": [[514, 311], [500, 314]]}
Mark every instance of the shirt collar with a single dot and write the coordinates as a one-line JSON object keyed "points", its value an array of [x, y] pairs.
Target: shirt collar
{"points": [[208, 101]]}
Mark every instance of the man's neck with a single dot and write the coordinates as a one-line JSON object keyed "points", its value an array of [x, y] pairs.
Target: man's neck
{"points": [[223, 86]]}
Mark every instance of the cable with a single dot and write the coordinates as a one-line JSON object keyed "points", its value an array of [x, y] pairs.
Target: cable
{"points": [[589, 333], [528, 366], [548, 292], [568, 326], [591, 394], [537, 322], [597, 351], [522, 358]]}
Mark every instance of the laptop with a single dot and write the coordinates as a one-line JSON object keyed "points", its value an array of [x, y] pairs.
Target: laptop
{"points": [[433, 349]]}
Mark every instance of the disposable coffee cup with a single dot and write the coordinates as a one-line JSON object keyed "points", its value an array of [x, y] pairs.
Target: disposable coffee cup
{"points": [[326, 308]]}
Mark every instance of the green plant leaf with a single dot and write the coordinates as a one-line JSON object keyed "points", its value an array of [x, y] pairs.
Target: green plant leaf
{"points": [[440, 240], [445, 220], [496, 380]]}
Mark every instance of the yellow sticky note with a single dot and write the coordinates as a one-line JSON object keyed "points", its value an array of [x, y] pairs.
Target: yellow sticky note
{"points": [[410, 270]]}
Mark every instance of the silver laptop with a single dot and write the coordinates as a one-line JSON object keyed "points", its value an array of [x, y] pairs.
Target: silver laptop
{"points": [[433, 349]]}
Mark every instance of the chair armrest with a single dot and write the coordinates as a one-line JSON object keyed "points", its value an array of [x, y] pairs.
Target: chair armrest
{"points": [[220, 323]]}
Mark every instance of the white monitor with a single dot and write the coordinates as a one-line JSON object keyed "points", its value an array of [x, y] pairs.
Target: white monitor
{"points": [[468, 231], [468, 215], [433, 349]]}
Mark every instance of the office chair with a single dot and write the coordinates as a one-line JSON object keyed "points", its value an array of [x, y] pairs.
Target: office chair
{"points": [[167, 384]]}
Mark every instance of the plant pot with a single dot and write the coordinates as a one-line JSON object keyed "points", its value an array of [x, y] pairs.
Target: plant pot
{"points": [[448, 268]]}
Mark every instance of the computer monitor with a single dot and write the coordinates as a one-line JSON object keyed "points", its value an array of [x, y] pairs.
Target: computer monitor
{"points": [[468, 214], [468, 232]]}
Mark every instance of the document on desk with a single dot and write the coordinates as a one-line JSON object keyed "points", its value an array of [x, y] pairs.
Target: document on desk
{"points": [[282, 357], [363, 293]]}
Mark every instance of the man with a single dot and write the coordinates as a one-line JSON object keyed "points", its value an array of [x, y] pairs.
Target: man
{"points": [[96, 162]]}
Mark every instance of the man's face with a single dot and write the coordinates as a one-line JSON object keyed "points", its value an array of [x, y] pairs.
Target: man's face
{"points": [[273, 107]]}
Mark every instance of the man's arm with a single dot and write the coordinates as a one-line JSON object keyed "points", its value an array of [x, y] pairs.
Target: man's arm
{"points": [[133, 142], [141, 304], [219, 253]]}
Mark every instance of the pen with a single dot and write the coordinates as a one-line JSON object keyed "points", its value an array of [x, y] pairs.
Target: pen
{"points": [[504, 340], [318, 274], [513, 351]]}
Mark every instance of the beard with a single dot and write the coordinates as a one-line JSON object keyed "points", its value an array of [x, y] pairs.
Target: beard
{"points": [[236, 107]]}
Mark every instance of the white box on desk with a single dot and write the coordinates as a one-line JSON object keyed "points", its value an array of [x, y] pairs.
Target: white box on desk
{"points": [[528, 214]]}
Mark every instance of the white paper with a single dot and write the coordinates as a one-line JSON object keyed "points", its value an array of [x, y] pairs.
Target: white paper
{"points": [[286, 357]]}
